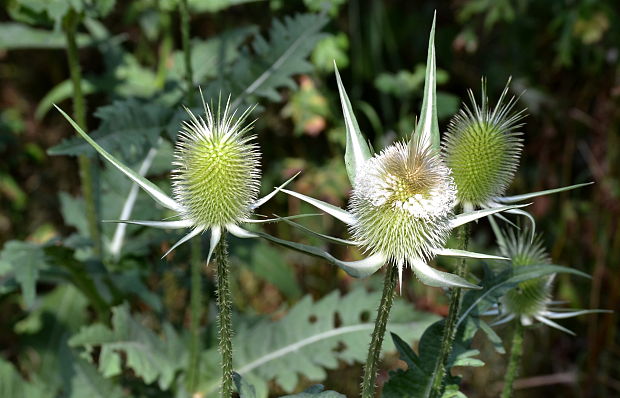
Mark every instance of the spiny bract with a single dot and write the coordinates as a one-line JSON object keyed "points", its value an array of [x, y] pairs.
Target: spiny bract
{"points": [[530, 297], [482, 147], [216, 177], [402, 200]]}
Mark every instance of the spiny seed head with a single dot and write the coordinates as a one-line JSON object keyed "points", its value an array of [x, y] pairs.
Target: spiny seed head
{"points": [[402, 200], [216, 176], [530, 297], [482, 147]]}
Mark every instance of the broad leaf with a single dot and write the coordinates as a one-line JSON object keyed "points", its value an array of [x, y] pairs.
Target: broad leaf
{"points": [[149, 356], [12, 385], [310, 338], [23, 261]]}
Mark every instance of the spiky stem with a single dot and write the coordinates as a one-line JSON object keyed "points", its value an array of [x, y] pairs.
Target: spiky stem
{"points": [[224, 304], [86, 165], [449, 331], [383, 314], [187, 55], [514, 362], [193, 368]]}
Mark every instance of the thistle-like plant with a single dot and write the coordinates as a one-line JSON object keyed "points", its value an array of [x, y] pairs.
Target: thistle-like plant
{"points": [[216, 179], [529, 301], [401, 210], [482, 147]]}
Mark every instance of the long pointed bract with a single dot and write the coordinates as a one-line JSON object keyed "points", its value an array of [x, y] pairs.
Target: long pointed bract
{"points": [[432, 277], [427, 130], [157, 194], [337, 212], [357, 151]]}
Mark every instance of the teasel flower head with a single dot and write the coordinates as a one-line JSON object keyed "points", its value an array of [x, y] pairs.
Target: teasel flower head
{"points": [[216, 175], [482, 148], [402, 203], [401, 208], [531, 297], [531, 300]]}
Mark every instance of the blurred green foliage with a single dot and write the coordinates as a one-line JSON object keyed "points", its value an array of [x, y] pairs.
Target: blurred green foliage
{"points": [[59, 304]]}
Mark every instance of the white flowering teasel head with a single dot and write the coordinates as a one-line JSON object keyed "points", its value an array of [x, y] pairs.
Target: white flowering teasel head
{"points": [[216, 175], [401, 208], [403, 202]]}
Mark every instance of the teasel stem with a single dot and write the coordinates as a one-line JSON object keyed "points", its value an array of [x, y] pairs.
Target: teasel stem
{"points": [[86, 165], [187, 54], [514, 363], [450, 325], [196, 305], [224, 304], [383, 314]]}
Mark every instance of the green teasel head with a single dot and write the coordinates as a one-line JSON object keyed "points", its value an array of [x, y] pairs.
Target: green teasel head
{"points": [[402, 200], [216, 174], [531, 297], [483, 146]]}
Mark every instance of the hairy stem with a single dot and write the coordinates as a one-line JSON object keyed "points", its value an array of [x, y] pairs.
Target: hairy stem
{"points": [[224, 304], [374, 351], [187, 54], [86, 165], [449, 331], [193, 368], [515, 360]]}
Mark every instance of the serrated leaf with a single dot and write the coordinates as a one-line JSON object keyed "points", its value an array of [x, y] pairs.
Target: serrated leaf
{"points": [[151, 357], [307, 340], [275, 59], [12, 385], [23, 261], [81, 379], [129, 127]]}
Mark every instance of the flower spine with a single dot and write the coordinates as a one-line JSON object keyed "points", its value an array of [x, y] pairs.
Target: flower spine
{"points": [[216, 175], [482, 148], [402, 200]]}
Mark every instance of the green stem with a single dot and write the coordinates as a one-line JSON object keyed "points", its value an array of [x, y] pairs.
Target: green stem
{"points": [[449, 332], [187, 54], [383, 314], [224, 303], [514, 362], [86, 165], [193, 368]]}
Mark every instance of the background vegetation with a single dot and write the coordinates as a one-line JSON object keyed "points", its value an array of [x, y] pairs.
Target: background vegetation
{"points": [[563, 55]]}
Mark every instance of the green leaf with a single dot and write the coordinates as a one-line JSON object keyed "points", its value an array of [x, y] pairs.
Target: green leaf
{"points": [[275, 59], [23, 261], [311, 337], [214, 6], [149, 356], [81, 378], [129, 126], [427, 130], [245, 389], [268, 264], [12, 385], [16, 36], [357, 150], [157, 194], [61, 92], [316, 391]]}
